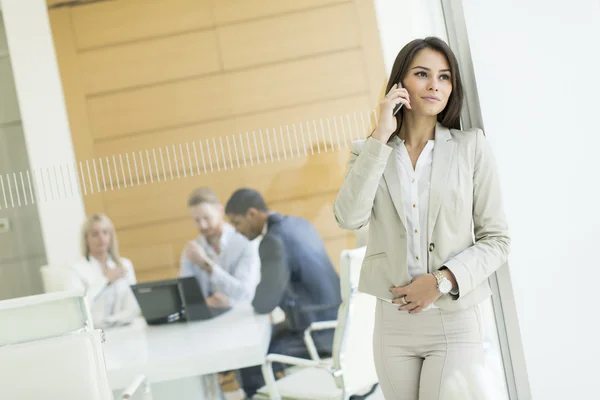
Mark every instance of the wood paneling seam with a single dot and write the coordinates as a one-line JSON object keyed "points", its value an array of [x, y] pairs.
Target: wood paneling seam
{"points": [[211, 27], [224, 71], [228, 117]]}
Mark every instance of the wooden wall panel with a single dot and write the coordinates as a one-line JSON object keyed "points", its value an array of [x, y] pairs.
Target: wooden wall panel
{"points": [[157, 274], [241, 124], [111, 22], [318, 209], [75, 96], [51, 3], [300, 82], [177, 229], [289, 37], [149, 108], [199, 158], [148, 62], [150, 257], [231, 11], [190, 136], [219, 96], [336, 245], [159, 74], [277, 181]]}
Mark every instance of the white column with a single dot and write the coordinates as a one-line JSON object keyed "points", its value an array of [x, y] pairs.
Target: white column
{"points": [[46, 126]]}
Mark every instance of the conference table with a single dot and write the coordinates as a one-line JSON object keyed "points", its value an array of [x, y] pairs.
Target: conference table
{"points": [[181, 359]]}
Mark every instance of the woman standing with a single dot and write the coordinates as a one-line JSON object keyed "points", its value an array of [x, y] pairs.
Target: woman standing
{"points": [[104, 275], [430, 193]]}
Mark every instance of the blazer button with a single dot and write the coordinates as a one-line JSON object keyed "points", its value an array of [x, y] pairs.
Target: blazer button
{"points": [[431, 246]]}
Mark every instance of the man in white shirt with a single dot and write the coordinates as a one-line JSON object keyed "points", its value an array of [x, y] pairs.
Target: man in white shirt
{"points": [[225, 263]]}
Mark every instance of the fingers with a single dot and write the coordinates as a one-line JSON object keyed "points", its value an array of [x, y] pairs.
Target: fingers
{"points": [[411, 307], [396, 96], [211, 301], [401, 300], [395, 93], [399, 291], [403, 101], [406, 303]]}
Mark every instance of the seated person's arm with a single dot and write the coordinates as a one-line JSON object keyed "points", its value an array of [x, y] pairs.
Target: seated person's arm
{"points": [[275, 275], [126, 307], [186, 266], [129, 271], [93, 291], [239, 285]]}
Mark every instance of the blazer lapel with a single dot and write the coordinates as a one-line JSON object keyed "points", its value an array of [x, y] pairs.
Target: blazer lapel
{"points": [[391, 175], [443, 152]]}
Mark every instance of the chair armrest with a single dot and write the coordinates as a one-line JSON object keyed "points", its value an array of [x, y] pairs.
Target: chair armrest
{"points": [[269, 376], [138, 382], [308, 340], [322, 325]]}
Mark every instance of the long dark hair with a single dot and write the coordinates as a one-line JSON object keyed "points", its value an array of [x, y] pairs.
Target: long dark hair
{"points": [[450, 116]]}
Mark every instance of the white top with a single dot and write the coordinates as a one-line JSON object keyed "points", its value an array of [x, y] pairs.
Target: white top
{"points": [[236, 339], [110, 304], [237, 269], [415, 183], [415, 192]]}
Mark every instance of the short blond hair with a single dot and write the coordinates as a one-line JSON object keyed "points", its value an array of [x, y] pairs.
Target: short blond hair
{"points": [[202, 195]]}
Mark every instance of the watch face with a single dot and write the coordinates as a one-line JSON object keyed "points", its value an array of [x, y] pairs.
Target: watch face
{"points": [[445, 286]]}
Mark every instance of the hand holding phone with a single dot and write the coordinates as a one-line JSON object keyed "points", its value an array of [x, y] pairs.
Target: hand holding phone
{"points": [[389, 106]]}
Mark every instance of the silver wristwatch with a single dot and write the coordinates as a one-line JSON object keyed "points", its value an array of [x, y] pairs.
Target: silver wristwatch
{"points": [[443, 284]]}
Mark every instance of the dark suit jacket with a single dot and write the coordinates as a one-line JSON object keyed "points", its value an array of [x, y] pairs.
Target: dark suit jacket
{"points": [[297, 276]]}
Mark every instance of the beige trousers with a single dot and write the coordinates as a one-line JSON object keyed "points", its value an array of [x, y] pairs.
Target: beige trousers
{"points": [[416, 353]]}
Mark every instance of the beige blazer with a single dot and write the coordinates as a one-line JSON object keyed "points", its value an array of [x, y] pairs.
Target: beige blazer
{"points": [[467, 229]]}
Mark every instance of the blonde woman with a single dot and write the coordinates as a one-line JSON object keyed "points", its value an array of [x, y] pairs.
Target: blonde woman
{"points": [[104, 275]]}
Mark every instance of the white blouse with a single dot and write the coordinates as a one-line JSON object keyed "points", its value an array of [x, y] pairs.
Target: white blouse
{"points": [[110, 304], [415, 184]]}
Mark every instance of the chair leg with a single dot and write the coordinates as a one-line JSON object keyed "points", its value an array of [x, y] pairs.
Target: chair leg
{"points": [[267, 370], [147, 391]]}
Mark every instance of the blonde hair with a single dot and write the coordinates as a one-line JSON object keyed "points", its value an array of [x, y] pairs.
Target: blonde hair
{"points": [[202, 195], [113, 247]]}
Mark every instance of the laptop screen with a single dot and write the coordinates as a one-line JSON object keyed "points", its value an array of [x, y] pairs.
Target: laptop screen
{"points": [[158, 300]]}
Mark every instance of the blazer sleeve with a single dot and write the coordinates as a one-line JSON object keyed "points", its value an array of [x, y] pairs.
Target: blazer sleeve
{"points": [[354, 202], [274, 275], [492, 242]]}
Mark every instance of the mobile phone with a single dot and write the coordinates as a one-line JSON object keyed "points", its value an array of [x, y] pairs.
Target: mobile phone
{"points": [[398, 106]]}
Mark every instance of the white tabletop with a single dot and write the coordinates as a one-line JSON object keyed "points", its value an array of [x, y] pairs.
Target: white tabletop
{"points": [[236, 339]]}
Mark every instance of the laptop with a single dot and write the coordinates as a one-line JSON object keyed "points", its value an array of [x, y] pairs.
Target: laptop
{"points": [[173, 300]]}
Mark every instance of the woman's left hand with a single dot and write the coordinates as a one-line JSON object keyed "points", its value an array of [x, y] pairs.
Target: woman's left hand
{"points": [[419, 294]]}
